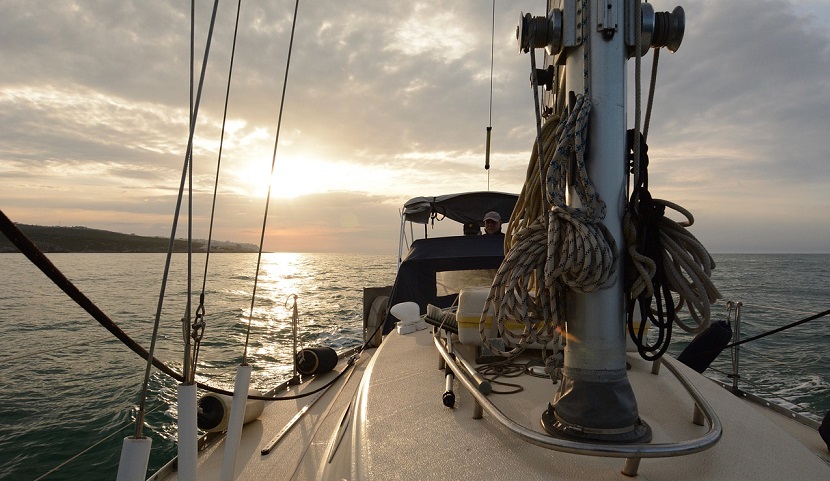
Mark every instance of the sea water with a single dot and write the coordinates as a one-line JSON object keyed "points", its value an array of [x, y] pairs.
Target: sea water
{"points": [[68, 389]]}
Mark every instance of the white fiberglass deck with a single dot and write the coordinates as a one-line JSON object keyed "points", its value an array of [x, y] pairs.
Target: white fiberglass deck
{"points": [[399, 429], [408, 434]]}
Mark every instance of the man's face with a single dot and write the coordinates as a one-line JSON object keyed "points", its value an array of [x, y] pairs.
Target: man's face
{"points": [[491, 226]]}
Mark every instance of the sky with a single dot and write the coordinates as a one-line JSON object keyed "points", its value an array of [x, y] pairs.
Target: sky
{"points": [[386, 101]]}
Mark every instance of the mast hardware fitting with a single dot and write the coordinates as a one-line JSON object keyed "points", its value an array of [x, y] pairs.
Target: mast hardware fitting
{"points": [[561, 28], [660, 29], [607, 18]]}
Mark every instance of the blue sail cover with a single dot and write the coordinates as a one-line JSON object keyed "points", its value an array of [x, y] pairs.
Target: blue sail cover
{"points": [[416, 279]]}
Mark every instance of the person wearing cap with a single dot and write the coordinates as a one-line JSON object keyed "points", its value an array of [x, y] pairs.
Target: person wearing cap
{"points": [[492, 223]]}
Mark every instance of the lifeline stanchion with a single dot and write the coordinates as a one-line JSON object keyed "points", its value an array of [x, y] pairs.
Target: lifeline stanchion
{"points": [[449, 396]]}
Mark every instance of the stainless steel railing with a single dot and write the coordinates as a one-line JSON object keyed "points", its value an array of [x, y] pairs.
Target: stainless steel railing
{"points": [[632, 452]]}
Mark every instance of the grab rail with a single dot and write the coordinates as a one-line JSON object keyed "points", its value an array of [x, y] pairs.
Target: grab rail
{"points": [[632, 452]]}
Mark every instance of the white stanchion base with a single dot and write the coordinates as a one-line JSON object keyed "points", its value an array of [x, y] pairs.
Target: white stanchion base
{"points": [[232, 438], [135, 456], [188, 436]]}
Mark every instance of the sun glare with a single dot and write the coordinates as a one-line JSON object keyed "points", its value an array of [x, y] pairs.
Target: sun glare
{"points": [[295, 177], [298, 175], [292, 178]]}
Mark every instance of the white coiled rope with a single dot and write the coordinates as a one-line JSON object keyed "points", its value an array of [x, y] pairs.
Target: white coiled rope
{"points": [[549, 253], [687, 264], [688, 267]]}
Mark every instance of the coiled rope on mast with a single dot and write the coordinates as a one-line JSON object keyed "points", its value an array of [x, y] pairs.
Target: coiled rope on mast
{"points": [[665, 260], [552, 247]]}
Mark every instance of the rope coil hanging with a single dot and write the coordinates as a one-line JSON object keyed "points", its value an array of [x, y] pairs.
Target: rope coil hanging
{"points": [[552, 246], [564, 248], [665, 261], [581, 250]]}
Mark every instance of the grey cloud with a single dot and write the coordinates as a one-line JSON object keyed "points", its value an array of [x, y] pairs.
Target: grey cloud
{"points": [[753, 78], [741, 108]]}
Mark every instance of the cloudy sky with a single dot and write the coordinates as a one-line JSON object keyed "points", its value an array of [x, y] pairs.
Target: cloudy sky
{"points": [[387, 101]]}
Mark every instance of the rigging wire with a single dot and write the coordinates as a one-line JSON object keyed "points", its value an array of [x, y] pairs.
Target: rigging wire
{"points": [[189, 265], [92, 446], [199, 324], [188, 298], [779, 329], [270, 182], [187, 160], [490, 120]]}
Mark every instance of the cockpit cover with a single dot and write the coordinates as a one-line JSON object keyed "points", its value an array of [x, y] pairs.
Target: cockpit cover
{"points": [[416, 279], [462, 208]]}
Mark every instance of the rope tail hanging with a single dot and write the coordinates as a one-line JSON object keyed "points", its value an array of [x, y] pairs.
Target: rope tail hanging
{"points": [[664, 260]]}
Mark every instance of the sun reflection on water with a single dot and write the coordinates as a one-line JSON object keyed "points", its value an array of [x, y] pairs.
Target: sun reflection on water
{"points": [[282, 278]]}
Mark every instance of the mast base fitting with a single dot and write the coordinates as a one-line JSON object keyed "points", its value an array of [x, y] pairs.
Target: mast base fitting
{"points": [[639, 432]]}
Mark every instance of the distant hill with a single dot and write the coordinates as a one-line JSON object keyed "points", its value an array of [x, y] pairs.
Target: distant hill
{"points": [[84, 239]]}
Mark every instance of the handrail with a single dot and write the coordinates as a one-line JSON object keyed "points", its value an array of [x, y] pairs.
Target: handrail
{"points": [[633, 451]]}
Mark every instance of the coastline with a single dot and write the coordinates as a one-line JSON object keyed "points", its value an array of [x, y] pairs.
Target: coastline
{"points": [[79, 239]]}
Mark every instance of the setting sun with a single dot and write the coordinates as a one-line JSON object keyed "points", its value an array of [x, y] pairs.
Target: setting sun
{"points": [[298, 174], [293, 177]]}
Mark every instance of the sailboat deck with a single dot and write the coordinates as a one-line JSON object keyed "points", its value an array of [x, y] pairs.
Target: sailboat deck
{"points": [[399, 426], [401, 419], [297, 454]]}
